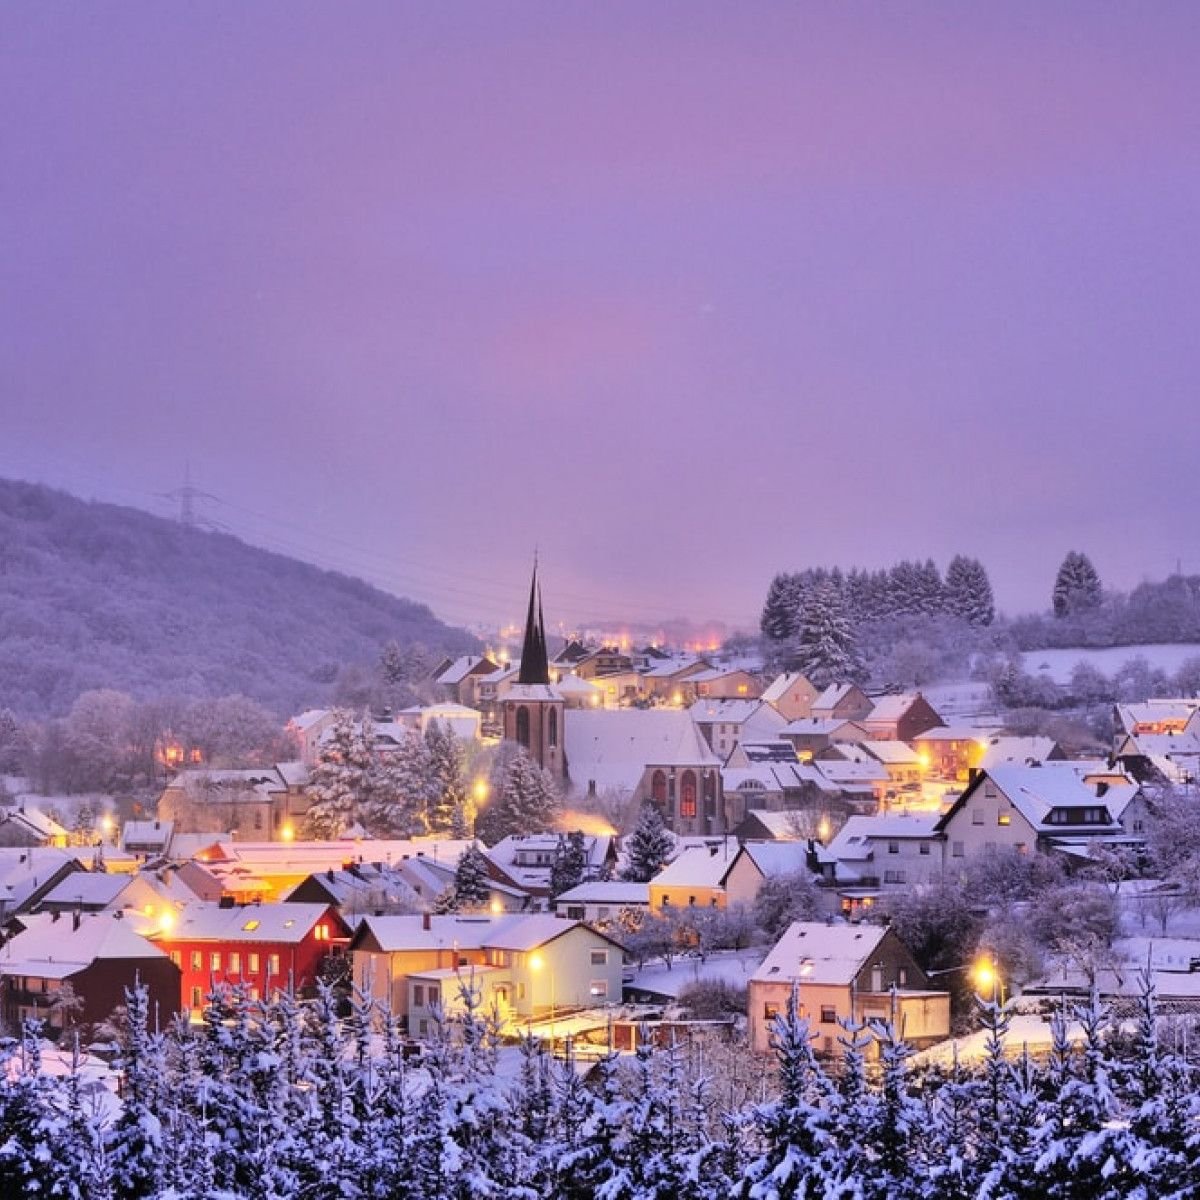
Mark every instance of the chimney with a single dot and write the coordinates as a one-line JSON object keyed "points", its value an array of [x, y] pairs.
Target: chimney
{"points": [[75, 919], [426, 921]]}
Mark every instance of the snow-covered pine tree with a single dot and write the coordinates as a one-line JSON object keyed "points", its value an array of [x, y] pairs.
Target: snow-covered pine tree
{"points": [[931, 598], [339, 782], [648, 847], [472, 883], [825, 648], [1076, 587], [136, 1139], [570, 863], [527, 802], [447, 782], [779, 613], [402, 783], [969, 591], [30, 1120]]}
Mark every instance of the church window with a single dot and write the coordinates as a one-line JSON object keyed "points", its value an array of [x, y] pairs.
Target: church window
{"points": [[523, 726], [658, 787], [553, 727], [687, 795]]}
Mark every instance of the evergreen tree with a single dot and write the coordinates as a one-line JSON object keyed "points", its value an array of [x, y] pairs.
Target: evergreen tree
{"points": [[401, 787], [527, 803], [778, 621], [570, 863], [1076, 587], [392, 664], [969, 591], [136, 1139], [471, 887], [29, 1124], [648, 847], [339, 782], [447, 784], [825, 649]]}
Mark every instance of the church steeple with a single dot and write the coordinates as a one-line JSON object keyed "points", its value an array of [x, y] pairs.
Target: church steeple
{"points": [[535, 665]]}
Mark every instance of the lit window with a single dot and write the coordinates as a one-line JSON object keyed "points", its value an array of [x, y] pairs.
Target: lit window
{"points": [[214, 961], [1004, 818], [251, 925], [197, 960], [235, 963], [253, 962], [598, 988], [273, 964]]}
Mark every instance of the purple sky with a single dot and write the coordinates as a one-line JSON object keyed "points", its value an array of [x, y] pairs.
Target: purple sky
{"points": [[684, 293]]}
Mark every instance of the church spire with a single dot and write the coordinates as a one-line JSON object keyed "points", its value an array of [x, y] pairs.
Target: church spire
{"points": [[535, 665]]}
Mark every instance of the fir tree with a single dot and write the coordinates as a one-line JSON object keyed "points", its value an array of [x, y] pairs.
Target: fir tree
{"points": [[401, 788], [968, 591], [778, 621], [1076, 587], [527, 803], [338, 785], [472, 885], [570, 863], [447, 784], [825, 649], [648, 847], [136, 1140]]}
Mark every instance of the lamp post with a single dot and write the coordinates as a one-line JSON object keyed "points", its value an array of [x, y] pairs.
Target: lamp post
{"points": [[986, 973], [537, 964]]}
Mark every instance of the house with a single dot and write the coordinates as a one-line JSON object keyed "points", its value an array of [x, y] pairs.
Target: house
{"points": [[900, 718], [752, 754], [457, 680], [791, 695], [951, 752], [525, 861], [845, 972], [902, 764], [525, 967], [796, 789], [670, 681], [1166, 757], [726, 683], [579, 693], [762, 825], [602, 901], [724, 724], [809, 735], [27, 875], [695, 878], [462, 721], [151, 839], [252, 803], [98, 955], [24, 826], [881, 854], [309, 730], [757, 862], [1003, 750], [856, 774], [1032, 808], [600, 662], [1155, 716], [263, 947], [843, 702], [647, 754], [358, 889], [94, 891]]}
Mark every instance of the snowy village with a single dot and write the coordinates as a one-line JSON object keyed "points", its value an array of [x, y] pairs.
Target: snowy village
{"points": [[599, 601]]}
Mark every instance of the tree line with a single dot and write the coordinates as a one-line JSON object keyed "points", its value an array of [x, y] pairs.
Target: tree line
{"points": [[284, 1098]]}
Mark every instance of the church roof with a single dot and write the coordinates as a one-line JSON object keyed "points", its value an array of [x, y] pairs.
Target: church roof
{"points": [[535, 666]]}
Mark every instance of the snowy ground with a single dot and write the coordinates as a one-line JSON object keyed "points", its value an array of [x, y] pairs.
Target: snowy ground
{"points": [[733, 966], [1058, 664], [967, 702]]}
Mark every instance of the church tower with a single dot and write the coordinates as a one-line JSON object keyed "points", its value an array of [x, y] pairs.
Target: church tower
{"points": [[533, 710]]}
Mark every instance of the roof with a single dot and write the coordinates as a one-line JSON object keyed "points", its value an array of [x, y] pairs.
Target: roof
{"points": [[953, 733], [893, 753], [88, 887], [698, 866], [460, 668], [613, 747], [774, 777], [858, 833], [518, 932], [833, 695], [782, 684], [891, 708], [34, 820], [782, 826], [769, 752], [147, 833], [533, 692], [732, 711], [814, 952], [606, 892], [24, 870], [58, 948], [1020, 750], [287, 923], [824, 726], [777, 858], [308, 718]]}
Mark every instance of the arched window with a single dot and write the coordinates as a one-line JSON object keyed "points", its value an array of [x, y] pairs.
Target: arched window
{"points": [[523, 726], [553, 727], [687, 794], [658, 787]]}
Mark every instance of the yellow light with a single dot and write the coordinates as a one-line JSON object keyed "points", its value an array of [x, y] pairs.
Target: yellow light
{"points": [[167, 921], [536, 961], [985, 975], [107, 823], [924, 759], [480, 789], [288, 832], [496, 908], [677, 699], [823, 829]]}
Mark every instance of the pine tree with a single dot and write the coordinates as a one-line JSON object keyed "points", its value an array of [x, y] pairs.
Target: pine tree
{"points": [[825, 649], [570, 863], [136, 1138], [648, 847], [527, 803], [29, 1122], [778, 621], [471, 888], [339, 783], [969, 591], [392, 664], [447, 784], [400, 790], [1077, 586]]}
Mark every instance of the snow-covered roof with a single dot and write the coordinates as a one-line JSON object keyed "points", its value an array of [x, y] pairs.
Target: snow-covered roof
{"points": [[781, 685], [777, 858], [518, 932], [889, 709], [89, 888], [361, 882], [780, 825], [572, 685], [1155, 712], [893, 753], [294, 774], [152, 834], [287, 923], [606, 892], [953, 733], [698, 866], [731, 711], [815, 952], [308, 718], [613, 747], [24, 870], [673, 666], [460, 668], [33, 820], [58, 947], [858, 833], [820, 726], [769, 752], [775, 777], [832, 696], [848, 774], [1020, 750]]}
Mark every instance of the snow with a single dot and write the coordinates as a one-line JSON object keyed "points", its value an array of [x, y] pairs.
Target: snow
{"points": [[727, 966], [1058, 664]]}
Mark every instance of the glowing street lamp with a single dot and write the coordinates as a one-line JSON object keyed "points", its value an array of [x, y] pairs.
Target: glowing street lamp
{"points": [[987, 977], [288, 832], [537, 964], [479, 791]]}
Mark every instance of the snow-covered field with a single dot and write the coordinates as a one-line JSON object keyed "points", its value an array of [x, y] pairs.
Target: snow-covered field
{"points": [[1058, 664]]}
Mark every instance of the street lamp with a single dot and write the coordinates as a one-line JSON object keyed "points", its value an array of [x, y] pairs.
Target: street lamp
{"points": [[537, 964]]}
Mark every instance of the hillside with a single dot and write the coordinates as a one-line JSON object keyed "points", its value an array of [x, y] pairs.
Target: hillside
{"points": [[96, 595]]}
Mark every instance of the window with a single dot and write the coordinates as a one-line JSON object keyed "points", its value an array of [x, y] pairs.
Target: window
{"points": [[177, 958], [925, 848], [977, 816], [828, 1014], [687, 794], [197, 960], [552, 725], [893, 847], [419, 995], [214, 961], [253, 964], [893, 877], [770, 1011], [258, 819], [423, 1027], [574, 912], [902, 978], [598, 988], [1004, 818], [956, 850], [603, 912], [691, 901], [251, 925], [520, 991], [665, 902], [196, 997], [523, 726], [599, 958], [273, 964], [235, 963], [658, 787]]}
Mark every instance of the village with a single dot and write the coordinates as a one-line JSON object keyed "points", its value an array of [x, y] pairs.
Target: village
{"points": [[724, 840]]}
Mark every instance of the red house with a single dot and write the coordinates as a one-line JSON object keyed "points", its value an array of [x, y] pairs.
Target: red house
{"points": [[263, 946]]}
